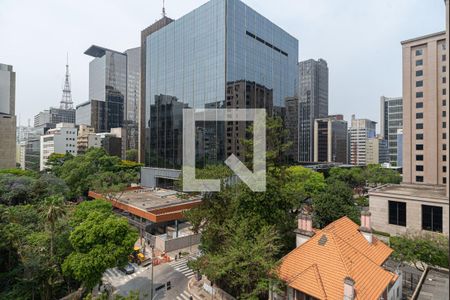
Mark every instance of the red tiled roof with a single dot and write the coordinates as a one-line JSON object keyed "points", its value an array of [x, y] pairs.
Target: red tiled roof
{"points": [[319, 266]]}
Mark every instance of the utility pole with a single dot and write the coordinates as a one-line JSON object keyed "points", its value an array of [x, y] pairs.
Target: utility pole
{"points": [[151, 285]]}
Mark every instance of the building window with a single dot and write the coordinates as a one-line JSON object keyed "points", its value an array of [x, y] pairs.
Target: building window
{"points": [[432, 218], [444, 102], [419, 126], [419, 115], [419, 83], [444, 92], [419, 136], [419, 157], [444, 169], [397, 213], [419, 52], [419, 147], [444, 147], [419, 105], [419, 73], [419, 62], [419, 168], [444, 114], [444, 157], [419, 178], [444, 79], [444, 69], [444, 124], [444, 136], [444, 57], [419, 94], [444, 180]]}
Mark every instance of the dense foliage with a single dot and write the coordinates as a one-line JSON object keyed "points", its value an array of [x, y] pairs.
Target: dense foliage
{"points": [[431, 249], [49, 246]]}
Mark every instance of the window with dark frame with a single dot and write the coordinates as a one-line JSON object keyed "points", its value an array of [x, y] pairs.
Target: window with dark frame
{"points": [[397, 213], [432, 218], [419, 178], [419, 168]]}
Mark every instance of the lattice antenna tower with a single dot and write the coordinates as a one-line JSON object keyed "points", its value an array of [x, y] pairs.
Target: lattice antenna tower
{"points": [[66, 100]]}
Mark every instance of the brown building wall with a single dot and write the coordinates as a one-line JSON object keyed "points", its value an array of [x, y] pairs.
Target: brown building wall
{"points": [[430, 50]]}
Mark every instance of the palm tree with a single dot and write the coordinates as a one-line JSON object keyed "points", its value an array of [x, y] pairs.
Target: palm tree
{"points": [[54, 211]]}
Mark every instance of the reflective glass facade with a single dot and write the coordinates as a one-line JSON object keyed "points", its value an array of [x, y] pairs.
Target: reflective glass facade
{"points": [[221, 55]]}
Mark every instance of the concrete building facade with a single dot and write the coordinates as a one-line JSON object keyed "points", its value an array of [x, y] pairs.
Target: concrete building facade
{"points": [[7, 117], [421, 203], [313, 103], [330, 139], [62, 140], [391, 119], [377, 151], [360, 131], [425, 109]]}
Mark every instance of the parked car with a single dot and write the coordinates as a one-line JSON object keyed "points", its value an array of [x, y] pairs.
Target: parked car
{"points": [[127, 269]]}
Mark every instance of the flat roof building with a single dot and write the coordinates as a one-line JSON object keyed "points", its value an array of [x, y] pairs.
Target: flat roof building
{"points": [[330, 139]]}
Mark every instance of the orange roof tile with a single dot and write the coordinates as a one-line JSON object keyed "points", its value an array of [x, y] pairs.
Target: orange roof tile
{"points": [[319, 266]]}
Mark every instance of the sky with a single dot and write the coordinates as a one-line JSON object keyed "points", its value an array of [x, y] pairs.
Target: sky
{"points": [[360, 40]]}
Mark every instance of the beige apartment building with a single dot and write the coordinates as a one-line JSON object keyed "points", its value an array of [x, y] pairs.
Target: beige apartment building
{"points": [[420, 203], [7, 117]]}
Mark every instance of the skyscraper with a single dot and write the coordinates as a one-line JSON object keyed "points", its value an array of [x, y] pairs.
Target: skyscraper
{"points": [[142, 111], [7, 117], [133, 97], [360, 131], [243, 60], [391, 119], [108, 85], [330, 139], [313, 103], [425, 133]]}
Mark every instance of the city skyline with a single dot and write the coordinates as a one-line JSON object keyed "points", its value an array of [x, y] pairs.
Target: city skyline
{"points": [[39, 87]]}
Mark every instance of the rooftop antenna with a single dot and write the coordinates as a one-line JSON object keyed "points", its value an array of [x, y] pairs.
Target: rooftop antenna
{"points": [[163, 9], [66, 100]]}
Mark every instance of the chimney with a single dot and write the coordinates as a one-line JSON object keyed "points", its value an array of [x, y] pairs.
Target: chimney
{"points": [[304, 229], [366, 227], [349, 288]]}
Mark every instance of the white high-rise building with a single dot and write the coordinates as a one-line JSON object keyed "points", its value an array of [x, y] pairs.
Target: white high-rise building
{"points": [[62, 139], [360, 131]]}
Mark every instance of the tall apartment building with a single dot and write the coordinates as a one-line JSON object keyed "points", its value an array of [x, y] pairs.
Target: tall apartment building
{"points": [[360, 131], [7, 117], [142, 128], [377, 151], [62, 139], [240, 50], [313, 103], [330, 139], [420, 203], [133, 98], [390, 121]]}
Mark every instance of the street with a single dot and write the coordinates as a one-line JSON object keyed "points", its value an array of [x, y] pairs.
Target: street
{"points": [[176, 272]]}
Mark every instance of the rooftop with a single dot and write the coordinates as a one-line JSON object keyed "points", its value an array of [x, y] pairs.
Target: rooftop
{"points": [[424, 37], [97, 51], [435, 285], [412, 190], [319, 266], [156, 205]]}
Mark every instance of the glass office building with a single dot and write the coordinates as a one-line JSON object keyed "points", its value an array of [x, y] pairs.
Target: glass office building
{"points": [[221, 55]]}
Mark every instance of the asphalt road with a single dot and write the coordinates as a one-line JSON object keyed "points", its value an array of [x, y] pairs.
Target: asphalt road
{"points": [[176, 272]]}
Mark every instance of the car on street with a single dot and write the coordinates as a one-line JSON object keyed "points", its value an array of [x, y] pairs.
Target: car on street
{"points": [[127, 269]]}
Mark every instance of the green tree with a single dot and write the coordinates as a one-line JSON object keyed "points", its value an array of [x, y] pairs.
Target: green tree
{"points": [[333, 203], [54, 210], [132, 155], [431, 249], [99, 242]]}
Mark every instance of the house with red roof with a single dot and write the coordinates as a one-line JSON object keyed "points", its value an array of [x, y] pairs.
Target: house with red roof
{"points": [[341, 261]]}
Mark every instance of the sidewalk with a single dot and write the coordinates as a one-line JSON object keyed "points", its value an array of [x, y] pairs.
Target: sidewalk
{"points": [[197, 290]]}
